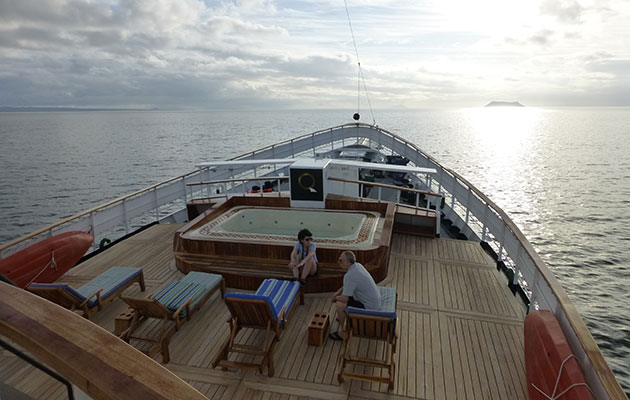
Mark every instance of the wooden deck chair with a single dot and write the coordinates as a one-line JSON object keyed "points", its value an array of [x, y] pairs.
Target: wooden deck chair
{"points": [[173, 305], [93, 295], [268, 309], [371, 324]]}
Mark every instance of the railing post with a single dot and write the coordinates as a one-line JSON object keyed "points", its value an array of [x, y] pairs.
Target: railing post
{"points": [[438, 216], [379, 194], [468, 205], [185, 194], [92, 229], [124, 206], [417, 202], [485, 226], [500, 255], [157, 205]]}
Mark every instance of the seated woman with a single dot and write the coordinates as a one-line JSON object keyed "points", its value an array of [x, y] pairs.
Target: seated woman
{"points": [[303, 259]]}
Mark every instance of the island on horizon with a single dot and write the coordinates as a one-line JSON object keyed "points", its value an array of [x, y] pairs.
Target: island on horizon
{"points": [[504, 104]]}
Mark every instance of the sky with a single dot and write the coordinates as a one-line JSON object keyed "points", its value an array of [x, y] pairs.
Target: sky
{"points": [[299, 54]]}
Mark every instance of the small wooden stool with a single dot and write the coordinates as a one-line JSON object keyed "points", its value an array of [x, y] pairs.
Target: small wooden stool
{"points": [[123, 321], [318, 328]]}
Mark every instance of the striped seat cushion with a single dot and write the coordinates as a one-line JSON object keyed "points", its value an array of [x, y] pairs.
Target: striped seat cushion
{"points": [[279, 293], [388, 305], [204, 278], [109, 282], [177, 293], [63, 286]]}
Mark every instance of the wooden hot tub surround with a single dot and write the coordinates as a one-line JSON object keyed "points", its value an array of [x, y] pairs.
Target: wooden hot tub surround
{"points": [[244, 264]]}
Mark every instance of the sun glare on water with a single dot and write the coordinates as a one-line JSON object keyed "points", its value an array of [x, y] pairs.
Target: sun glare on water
{"points": [[505, 130], [509, 137]]}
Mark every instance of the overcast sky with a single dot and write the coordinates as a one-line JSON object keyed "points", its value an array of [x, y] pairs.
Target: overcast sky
{"points": [[299, 54]]}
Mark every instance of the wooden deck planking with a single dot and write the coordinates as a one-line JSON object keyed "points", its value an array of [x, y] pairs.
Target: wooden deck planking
{"points": [[460, 329]]}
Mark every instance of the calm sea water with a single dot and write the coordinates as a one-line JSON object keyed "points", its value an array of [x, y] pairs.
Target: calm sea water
{"points": [[563, 175]]}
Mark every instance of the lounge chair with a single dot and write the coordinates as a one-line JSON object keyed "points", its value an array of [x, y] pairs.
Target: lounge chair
{"points": [[174, 305], [93, 295], [268, 309], [371, 324]]}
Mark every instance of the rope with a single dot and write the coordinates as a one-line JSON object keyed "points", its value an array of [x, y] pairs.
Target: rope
{"points": [[553, 395], [360, 77], [52, 263]]}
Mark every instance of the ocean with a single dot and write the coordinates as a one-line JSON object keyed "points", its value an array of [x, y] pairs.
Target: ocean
{"points": [[563, 175]]}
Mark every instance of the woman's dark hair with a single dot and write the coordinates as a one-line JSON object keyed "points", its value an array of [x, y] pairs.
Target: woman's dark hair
{"points": [[304, 233]]}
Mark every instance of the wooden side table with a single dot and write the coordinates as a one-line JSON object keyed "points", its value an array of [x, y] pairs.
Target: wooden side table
{"points": [[123, 321], [318, 328]]}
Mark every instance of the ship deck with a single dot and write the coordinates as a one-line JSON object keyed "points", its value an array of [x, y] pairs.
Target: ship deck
{"points": [[461, 330]]}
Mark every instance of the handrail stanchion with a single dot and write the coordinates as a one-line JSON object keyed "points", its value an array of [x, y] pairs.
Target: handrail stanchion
{"points": [[157, 205], [438, 217], [124, 207], [417, 203], [92, 229]]}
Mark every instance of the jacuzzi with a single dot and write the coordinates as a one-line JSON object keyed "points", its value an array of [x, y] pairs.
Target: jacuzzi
{"points": [[345, 228]]}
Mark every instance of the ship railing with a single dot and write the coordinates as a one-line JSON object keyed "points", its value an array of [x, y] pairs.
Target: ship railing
{"points": [[227, 187], [21, 354], [432, 199], [121, 216]]}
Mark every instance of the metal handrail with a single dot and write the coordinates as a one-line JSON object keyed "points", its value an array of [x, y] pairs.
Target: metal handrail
{"points": [[91, 210], [39, 366], [384, 185], [260, 178]]}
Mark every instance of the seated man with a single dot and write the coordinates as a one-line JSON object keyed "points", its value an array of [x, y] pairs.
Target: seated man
{"points": [[359, 290]]}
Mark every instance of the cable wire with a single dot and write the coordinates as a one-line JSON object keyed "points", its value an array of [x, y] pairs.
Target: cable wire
{"points": [[360, 77]]}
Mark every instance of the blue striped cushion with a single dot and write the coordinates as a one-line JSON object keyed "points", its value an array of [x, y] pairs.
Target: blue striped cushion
{"points": [[280, 293], [204, 278], [63, 286], [177, 293], [250, 296], [108, 282], [388, 305]]}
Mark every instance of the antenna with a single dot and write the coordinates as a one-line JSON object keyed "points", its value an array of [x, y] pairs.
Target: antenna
{"points": [[360, 77]]}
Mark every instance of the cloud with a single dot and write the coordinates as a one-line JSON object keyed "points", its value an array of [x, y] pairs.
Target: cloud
{"points": [[266, 53], [565, 11], [619, 68], [542, 37]]}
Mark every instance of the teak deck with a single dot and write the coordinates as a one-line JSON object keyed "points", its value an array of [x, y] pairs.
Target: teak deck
{"points": [[461, 330]]}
